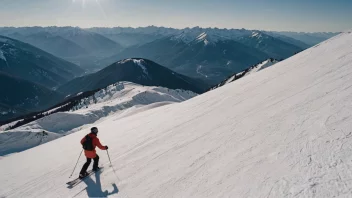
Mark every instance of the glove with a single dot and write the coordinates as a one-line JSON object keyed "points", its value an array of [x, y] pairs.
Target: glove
{"points": [[106, 147]]}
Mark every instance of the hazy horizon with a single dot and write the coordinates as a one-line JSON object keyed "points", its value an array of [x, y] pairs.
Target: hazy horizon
{"points": [[170, 27], [268, 15]]}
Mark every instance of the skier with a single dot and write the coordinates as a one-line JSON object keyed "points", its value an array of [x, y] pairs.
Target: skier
{"points": [[89, 142]]}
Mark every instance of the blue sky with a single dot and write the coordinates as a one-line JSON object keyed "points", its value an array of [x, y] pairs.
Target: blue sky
{"points": [[287, 15]]}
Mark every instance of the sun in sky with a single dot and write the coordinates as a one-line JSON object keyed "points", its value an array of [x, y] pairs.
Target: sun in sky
{"points": [[83, 2]]}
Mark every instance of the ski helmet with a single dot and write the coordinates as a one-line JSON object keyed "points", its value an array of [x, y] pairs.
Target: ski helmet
{"points": [[94, 130]]}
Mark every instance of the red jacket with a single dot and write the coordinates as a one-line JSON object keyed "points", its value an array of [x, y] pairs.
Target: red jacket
{"points": [[96, 143]]}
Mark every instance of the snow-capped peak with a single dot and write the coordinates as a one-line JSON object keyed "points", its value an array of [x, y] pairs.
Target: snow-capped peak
{"points": [[198, 37], [202, 36], [257, 34], [124, 61], [140, 63], [186, 37]]}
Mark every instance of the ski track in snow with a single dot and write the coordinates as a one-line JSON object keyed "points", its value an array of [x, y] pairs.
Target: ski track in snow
{"points": [[282, 132]]}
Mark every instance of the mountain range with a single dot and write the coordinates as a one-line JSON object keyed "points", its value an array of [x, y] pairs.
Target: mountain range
{"points": [[95, 48], [305, 39], [30, 63], [73, 44], [209, 57], [209, 54], [195, 58], [16, 102]]}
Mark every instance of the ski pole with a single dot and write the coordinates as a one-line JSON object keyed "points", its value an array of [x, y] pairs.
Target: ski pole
{"points": [[112, 165], [115, 171], [76, 163], [109, 157]]}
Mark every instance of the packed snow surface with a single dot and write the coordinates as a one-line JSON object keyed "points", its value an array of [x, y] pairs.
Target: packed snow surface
{"points": [[121, 99], [282, 132]]}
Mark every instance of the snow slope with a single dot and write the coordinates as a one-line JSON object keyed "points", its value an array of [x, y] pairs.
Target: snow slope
{"points": [[120, 100], [261, 66], [282, 132]]}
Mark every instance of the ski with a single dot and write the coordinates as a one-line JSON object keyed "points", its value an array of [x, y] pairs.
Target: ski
{"points": [[76, 181]]}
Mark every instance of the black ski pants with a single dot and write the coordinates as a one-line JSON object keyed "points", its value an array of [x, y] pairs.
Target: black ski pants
{"points": [[89, 160]]}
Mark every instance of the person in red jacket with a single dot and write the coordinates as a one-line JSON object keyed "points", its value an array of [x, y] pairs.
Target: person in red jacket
{"points": [[89, 143]]}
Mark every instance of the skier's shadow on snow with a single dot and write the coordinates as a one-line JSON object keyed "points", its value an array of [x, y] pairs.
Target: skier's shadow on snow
{"points": [[94, 188]]}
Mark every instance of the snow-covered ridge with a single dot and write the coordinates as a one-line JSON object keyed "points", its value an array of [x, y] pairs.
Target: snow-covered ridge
{"points": [[138, 62], [257, 34], [251, 70], [121, 99], [202, 36], [209, 36], [261, 66], [214, 36], [169, 31]]}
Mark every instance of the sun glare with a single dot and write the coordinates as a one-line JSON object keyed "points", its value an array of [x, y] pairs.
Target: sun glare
{"points": [[85, 1]]}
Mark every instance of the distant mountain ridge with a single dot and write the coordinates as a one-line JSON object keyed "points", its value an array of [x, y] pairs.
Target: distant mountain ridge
{"points": [[208, 56], [178, 49], [274, 47], [136, 70], [229, 33], [74, 44], [53, 44], [89, 41], [35, 65], [310, 38]]}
